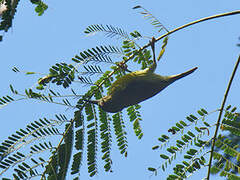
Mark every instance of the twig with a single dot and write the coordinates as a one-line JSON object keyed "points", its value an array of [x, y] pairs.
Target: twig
{"points": [[172, 31], [184, 26], [132, 56], [220, 115]]}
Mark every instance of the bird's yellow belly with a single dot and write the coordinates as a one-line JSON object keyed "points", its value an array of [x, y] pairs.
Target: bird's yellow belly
{"points": [[134, 91]]}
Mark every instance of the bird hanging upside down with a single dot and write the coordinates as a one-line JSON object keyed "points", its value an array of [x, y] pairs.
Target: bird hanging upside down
{"points": [[136, 87]]}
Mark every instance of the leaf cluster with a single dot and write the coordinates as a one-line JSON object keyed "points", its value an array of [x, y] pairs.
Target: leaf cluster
{"points": [[153, 20], [190, 140], [89, 131], [40, 8], [195, 146], [227, 153], [7, 15], [25, 163], [109, 30]]}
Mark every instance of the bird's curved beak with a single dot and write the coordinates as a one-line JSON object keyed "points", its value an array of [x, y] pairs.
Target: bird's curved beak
{"points": [[179, 76]]}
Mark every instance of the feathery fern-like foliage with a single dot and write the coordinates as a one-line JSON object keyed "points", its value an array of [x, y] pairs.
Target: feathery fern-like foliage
{"points": [[119, 129], [97, 55], [109, 30], [91, 70], [227, 152], [61, 74], [89, 122], [105, 135], [135, 117], [92, 139], [11, 149], [196, 149], [79, 141], [185, 141], [153, 20], [5, 100], [59, 161], [91, 125]]}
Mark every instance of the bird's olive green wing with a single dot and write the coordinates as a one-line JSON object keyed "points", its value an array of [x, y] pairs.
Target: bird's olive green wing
{"points": [[121, 83]]}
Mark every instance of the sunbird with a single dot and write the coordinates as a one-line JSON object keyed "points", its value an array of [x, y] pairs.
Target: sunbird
{"points": [[136, 87]]}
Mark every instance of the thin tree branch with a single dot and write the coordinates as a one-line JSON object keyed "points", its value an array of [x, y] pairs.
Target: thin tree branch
{"points": [[132, 56], [220, 115], [198, 21], [184, 26], [170, 32]]}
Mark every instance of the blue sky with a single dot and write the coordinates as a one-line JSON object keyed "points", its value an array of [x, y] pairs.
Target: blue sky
{"points": [[35, 43]]}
